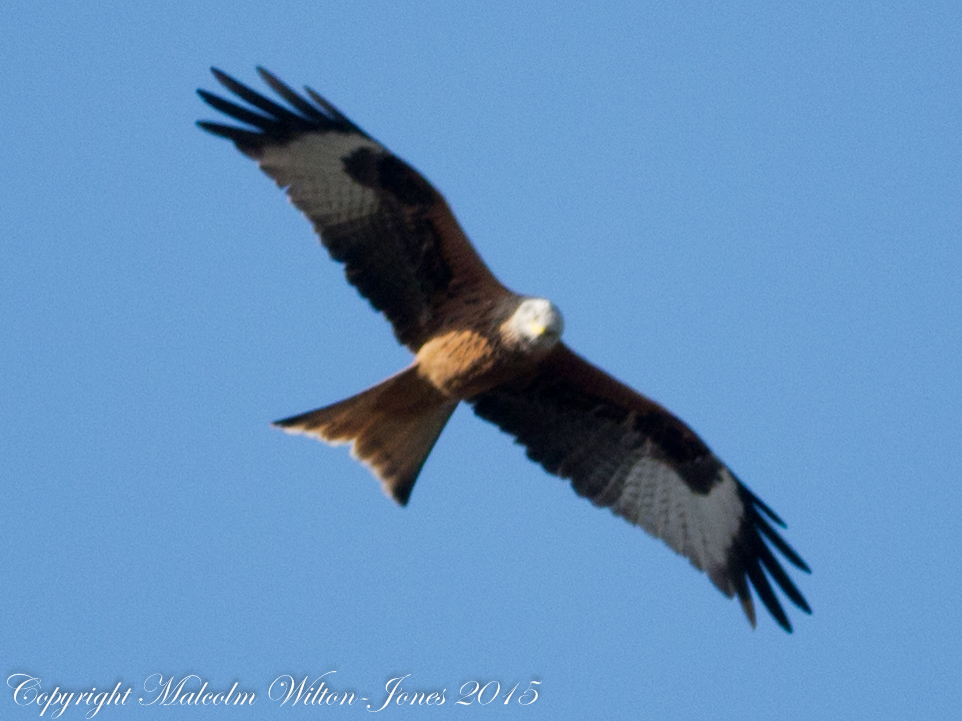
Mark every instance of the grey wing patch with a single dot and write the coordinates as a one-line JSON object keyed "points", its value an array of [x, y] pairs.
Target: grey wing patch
{"points": [[373, 211], [641, 465]]}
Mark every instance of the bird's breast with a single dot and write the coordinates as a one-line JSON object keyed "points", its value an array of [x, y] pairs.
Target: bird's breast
{"points": [[463, 363]]}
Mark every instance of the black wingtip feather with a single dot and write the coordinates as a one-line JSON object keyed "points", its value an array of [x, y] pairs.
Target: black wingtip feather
{"points": [[245, 140], [756, 501], [751, 559], [781, 578], [772, 535], [275, 123], [256, 99], [236, 111], [289, 95], [764, 590], [740, 585], [328, 107]]}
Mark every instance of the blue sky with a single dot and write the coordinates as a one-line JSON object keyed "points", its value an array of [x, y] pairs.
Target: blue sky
{"points": [[751, 213]]}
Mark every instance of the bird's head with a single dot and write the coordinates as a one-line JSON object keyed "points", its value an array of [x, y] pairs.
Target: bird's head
{"points": [[536, 325]]}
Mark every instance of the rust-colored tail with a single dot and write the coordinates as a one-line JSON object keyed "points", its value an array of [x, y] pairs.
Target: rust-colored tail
{"points": [[392, 427]]}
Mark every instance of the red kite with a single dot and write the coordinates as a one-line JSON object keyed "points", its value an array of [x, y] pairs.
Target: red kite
{"points": [[476, 341]]}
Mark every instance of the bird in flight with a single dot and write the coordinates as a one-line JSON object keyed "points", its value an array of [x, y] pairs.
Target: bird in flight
{"points": [[475, 341]]}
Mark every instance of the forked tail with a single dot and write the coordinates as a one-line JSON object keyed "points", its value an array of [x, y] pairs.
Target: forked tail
{"points": [[392, 427]]}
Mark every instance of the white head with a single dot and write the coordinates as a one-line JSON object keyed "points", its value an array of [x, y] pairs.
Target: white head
{"points": [[535, 325]]}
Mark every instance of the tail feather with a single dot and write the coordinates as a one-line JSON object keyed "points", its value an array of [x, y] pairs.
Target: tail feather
{"points": [[392, 427]]}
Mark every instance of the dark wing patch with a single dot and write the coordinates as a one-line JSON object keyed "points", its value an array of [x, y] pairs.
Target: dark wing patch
{"points": [[627, 453], [400, 245]]}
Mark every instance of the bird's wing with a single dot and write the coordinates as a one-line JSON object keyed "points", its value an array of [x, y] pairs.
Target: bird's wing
{"points": [[627, 453], [401, 246]]}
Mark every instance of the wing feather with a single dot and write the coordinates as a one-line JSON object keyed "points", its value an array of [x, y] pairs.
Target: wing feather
{"points": [[400, 244], [627, 453]]}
